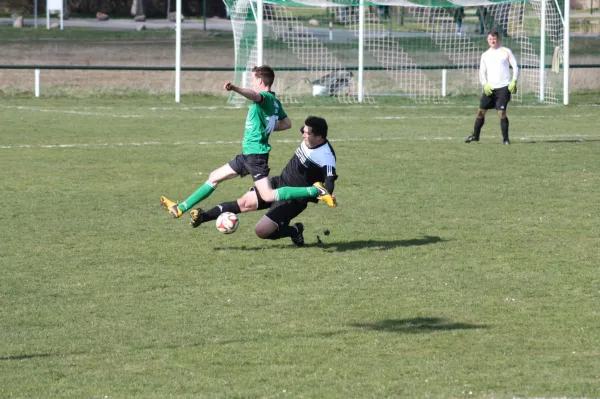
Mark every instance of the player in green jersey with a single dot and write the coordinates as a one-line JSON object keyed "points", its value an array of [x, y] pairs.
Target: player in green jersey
{"points": [[265, 115]]}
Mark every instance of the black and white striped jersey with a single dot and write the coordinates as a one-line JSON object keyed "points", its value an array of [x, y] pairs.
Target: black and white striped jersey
{"points": [[310, 165]]}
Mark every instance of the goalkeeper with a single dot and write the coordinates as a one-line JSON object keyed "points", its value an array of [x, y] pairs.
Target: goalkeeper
{"points": [[314, 161], [494, 74]]}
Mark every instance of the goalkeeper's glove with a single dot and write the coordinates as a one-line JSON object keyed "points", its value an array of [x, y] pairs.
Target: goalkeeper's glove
{"points": [[487, 89], [512, 86]]}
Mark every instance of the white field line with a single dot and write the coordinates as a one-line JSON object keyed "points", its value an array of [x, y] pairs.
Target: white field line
{"points": [[340, 117], [70, 111], [78, 111], [289, 106], [473, 117], [572, 136]]}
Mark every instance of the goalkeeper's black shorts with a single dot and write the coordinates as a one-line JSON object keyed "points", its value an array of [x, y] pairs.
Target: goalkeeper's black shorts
{"points": [[498, 99]]}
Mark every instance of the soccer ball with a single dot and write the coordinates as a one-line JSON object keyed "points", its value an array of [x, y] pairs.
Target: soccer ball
{"points": [[227, 222]]}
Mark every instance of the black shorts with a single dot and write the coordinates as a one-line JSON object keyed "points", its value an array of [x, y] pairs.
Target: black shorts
{"points": [[256, 165], [498, 100], [281, 212]]}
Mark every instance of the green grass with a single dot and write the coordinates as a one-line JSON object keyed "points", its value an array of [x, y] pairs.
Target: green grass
{"points": [[451, 270]]}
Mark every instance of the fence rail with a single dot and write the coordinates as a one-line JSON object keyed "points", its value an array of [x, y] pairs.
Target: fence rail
{"points": [[232, 69]]}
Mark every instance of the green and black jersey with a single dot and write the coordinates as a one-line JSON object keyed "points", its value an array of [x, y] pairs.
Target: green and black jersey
{"points": [[260, 123]]}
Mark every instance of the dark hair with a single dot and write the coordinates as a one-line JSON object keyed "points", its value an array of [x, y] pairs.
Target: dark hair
{"points": [[494, 33], [265, 73], [318, 125]]}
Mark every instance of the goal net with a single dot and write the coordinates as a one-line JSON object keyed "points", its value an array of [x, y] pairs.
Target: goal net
{"points": [[424, 50]]}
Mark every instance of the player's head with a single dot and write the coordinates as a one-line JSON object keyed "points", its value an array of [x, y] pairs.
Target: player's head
{"points": [[314, 131], [493, 38], [318, 126], [263, 74]]}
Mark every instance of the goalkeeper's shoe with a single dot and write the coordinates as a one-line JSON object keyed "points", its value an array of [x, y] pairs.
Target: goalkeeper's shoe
{"points": [[298, 238], [324, 195], [171, 207], [468, 139], [196, 217]]}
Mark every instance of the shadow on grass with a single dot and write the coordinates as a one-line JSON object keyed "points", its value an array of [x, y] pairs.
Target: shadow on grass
{"points": [[417, 325], [25, 356], [380, 245]]}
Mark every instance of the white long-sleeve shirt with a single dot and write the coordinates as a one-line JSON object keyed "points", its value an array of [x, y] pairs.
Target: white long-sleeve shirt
{"points": [[494, 67]]}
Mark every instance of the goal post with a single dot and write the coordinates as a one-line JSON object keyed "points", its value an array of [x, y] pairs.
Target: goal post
{"points": [[355, 51]]}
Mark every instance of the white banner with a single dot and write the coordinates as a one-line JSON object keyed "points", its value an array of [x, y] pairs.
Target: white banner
{"points": [[54, 5]]}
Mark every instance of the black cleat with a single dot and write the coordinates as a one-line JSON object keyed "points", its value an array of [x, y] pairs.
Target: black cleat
{"points": [[298, 238], [468, 139], [506, 142], [196, 217]]}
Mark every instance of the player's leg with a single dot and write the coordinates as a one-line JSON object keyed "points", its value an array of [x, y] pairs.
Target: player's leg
{"points": [[249, 202], [479, 121], [501, 105], [504, 126], [268, 229], [315, 191], [286, 193], [266, 192], [258, 167], [225, 172], [485, 103], [198, 216], [276, 223], [265, 227]]}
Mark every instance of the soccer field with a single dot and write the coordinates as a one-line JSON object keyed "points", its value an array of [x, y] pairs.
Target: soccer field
{"points": [[451, 270]]}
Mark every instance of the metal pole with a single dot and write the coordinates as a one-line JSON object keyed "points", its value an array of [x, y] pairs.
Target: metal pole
{"points": [[259, 32], [37, 82], [178, 52], [443, 83], [542, 49], [361, 46], [35, 17], [204, 12], [566, 51]]}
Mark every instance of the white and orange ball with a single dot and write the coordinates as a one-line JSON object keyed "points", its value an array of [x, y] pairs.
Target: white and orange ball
{"points": [[227, 222]]}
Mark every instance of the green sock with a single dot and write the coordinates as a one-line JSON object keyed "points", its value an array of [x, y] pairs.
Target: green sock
{"points": [[289, 193], [203, 192]]}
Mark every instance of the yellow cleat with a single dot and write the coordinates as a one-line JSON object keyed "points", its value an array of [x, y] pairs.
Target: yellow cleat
{"points": [[171, 207], [324, 195]]}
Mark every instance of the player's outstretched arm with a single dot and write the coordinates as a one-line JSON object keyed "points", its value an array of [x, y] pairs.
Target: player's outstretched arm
{"points": [[283, 124], [248, 93]]}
